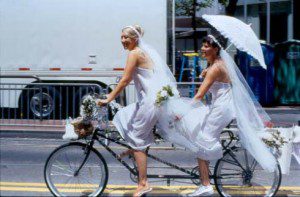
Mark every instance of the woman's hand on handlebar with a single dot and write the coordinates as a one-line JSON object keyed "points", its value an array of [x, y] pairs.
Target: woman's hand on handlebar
{"points": [[102, 102]]}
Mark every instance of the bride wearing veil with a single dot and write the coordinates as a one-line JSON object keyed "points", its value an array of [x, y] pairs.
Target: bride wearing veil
{"points": [[135, 122], [199, 127]]}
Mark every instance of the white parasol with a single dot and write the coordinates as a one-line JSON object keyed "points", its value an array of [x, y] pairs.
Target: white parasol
{"points": [[238, 33]]}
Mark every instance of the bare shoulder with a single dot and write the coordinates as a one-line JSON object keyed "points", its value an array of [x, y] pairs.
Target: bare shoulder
{"points": [[138, 52], [220, 71], [219, 66], [219, 63], [214, 68], [133, 54], [212, 72]]}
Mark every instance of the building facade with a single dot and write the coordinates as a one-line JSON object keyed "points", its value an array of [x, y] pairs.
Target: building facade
{"points": [[273, 21]]}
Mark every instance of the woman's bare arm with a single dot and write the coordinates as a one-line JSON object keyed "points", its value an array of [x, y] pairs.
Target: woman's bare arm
{"points": [[127, 76], [210, 76], [203, 73]]}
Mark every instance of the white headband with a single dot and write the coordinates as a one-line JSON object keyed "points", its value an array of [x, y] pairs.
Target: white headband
{"points": [[215, 40], [134, 29]]}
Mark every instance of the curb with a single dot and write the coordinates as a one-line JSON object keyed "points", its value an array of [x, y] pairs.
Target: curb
{"points": [[31, 134]]}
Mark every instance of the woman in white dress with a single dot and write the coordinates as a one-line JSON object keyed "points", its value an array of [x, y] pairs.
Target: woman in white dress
{"points": [[135, 122], [198, 129], [215, 117]]}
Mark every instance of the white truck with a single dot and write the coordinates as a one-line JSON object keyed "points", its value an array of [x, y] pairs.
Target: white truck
{"points": [[70, 41]]}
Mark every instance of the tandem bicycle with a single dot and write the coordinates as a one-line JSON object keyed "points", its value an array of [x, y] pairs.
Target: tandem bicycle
{"points": [[77, 168]]}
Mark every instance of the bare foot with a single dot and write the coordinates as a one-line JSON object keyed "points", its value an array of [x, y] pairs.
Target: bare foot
{"points": [[141, 190], [125, 153]]}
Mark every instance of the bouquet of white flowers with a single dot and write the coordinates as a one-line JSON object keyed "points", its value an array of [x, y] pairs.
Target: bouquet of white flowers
{"points": [[164, 94], [88, 108], [275, 140], [83, 126]]}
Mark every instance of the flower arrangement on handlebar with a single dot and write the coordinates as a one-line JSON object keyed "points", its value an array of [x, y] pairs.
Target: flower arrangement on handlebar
{"points": [[89, 111], [83, 125]]}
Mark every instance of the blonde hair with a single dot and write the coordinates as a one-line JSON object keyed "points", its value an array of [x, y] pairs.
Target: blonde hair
{"points": [[133, 31]]}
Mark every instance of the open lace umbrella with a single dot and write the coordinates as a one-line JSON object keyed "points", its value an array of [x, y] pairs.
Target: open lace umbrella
{"points": [[238, 33]]}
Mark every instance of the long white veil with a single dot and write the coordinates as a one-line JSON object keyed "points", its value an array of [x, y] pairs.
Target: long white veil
{"points": [[162, 74], [250, 116]]}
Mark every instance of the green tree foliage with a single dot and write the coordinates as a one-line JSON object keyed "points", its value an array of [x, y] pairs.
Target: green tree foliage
{"points": [[188, 7]]}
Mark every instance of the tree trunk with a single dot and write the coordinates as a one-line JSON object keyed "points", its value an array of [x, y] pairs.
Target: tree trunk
{"points": [[231, 8], [194, 25]]}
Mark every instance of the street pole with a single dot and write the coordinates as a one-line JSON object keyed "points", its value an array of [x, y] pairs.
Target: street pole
{"points": [[268, 21], [173, 38], [194, 25], [245, 12]]}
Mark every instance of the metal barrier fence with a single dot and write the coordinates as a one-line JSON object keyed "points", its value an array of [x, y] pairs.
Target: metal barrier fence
{"points": [[49, 103], [38, 102]]}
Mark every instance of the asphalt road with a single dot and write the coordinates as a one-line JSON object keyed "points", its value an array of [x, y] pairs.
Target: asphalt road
{"points": [[23, 159]]}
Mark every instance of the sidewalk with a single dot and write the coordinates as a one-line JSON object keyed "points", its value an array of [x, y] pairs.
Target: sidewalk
{"points": [[32, 128], [282, 116], [283, 109]]}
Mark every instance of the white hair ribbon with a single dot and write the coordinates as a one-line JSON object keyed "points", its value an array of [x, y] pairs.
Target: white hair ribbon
{"points": [[134, 29], [215, 40]]}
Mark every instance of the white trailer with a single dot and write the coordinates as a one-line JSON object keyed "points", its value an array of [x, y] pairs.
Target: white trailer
{"points": [[72, 41]]}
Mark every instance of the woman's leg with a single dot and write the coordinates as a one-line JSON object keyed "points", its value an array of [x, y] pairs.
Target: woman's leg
{"points": [[204, 172], [126, 153], [205, 189], [141, 161]]}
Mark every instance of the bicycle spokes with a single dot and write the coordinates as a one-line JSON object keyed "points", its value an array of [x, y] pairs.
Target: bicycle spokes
{"points": [[71, 171], [239, 174]]}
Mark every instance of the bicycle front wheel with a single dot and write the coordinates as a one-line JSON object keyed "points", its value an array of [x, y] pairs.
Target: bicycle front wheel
{"points": [[239, 174], [72, 170]]}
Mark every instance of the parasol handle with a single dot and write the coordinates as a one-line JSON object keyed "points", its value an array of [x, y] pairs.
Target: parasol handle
{"points": [[228, 46]]}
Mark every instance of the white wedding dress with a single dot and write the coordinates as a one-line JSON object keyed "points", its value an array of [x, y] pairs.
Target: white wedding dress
{"points": [[135, 122], [199, 128]]}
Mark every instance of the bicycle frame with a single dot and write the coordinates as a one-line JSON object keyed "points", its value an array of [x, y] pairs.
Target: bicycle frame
{"points": [[188, 174]]}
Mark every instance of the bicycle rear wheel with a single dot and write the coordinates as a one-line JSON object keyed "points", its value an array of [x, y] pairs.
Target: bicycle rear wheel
{"points": [[239, 174], [61, 166]]}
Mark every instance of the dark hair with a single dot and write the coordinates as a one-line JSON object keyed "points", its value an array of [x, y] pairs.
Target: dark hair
{"points": [[212, 43]]}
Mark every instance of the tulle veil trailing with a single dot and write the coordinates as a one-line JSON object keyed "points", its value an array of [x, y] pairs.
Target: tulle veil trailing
{"points": [[250, 116], [161, 72]]}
